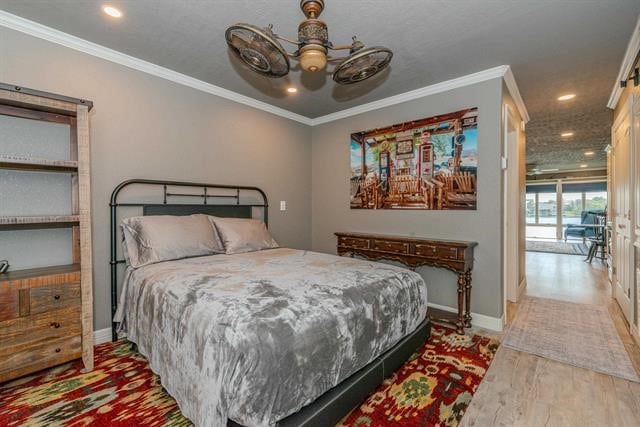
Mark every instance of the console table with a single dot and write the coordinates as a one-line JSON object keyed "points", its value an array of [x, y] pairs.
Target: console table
{"points": [[413, 252]]}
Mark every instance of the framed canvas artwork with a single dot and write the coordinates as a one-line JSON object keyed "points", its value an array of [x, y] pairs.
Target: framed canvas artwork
{"points": [[423, 164]]}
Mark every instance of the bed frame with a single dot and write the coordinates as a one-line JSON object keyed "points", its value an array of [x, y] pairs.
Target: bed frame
{"points": [[241, 202]]}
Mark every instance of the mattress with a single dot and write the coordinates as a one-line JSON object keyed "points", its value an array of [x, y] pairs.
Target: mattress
{"points": [[255, 337]]}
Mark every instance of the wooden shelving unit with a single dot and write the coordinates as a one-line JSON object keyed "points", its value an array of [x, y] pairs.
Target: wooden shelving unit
{"points": [[37, 164], [46, 314], [45, 221], [33, 273]]}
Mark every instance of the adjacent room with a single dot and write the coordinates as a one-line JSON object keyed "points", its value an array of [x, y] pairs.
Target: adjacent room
{"points": [[234, 213]]}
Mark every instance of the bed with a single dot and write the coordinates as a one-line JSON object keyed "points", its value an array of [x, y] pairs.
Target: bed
{"points": [[275, 337]]}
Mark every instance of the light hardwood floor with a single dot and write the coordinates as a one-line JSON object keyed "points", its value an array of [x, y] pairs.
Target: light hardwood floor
{"points": [[521, 389]]}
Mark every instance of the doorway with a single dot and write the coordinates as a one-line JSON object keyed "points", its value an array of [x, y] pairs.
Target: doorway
{"points": [[514, 198]]}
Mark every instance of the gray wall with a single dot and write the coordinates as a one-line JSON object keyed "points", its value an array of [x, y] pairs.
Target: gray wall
{"points": [[330, 183], [142, 126]]}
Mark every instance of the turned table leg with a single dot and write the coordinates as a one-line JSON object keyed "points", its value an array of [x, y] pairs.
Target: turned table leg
{"points": [[467, 297], [461, 292]]}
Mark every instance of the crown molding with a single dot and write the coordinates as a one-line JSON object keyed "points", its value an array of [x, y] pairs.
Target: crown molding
{"points": [[469, 79], [35, 29], [628, 61]]}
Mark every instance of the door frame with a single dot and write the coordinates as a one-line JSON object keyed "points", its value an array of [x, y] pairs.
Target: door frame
{"points": [[512, 209]]}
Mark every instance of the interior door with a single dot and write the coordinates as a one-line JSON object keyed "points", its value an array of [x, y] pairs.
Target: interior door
{"points": [[622, 215]]}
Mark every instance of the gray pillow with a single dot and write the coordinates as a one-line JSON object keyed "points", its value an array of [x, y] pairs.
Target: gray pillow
{"points": [[241, 235], [151, 239]]}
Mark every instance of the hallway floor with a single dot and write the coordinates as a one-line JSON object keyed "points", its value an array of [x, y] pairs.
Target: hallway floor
{"points": [[521, 389]]}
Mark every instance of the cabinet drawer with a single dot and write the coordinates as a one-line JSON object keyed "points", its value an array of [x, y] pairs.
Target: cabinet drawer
{"points": [[9, 303], [433, 251], [45, 354], [26, 332], [47, 298], [391, 246], [354, 242]]}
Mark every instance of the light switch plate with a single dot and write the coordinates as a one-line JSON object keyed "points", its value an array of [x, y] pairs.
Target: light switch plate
{"points": [[283, 205]]}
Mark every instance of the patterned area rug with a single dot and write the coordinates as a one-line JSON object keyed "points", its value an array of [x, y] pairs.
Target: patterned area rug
{"points": [[569, 248], [433, 388], [577, 334]]}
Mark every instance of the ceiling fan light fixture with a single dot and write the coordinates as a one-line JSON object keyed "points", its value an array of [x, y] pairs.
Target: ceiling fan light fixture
{"points": [[261, 51], [313, 58]]}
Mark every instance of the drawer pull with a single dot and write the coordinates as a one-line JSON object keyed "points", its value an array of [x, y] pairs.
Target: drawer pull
{"points": [[56, 297], [55, 325], [58, 350]]}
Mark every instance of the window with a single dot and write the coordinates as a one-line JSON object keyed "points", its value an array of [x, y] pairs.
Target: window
{"points": [[596, 200], [571, 208], [531, 208]]}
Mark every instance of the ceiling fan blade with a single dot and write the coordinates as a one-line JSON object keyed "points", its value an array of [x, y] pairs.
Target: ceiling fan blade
{"points": [[362, 64], [258, 49]]}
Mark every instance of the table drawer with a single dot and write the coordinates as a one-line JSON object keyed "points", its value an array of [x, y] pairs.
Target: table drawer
{"points": [[53, 297], [29, 331], [42, 355], [391, 246], [433, 251], [353, 242]]}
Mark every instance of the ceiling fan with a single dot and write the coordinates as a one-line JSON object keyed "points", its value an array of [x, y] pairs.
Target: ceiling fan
{"points": [[261, 51]]}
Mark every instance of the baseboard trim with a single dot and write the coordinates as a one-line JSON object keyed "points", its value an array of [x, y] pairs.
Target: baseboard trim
{"points": [[101, 336], [635, 334], [479, 320], [521, 287]]}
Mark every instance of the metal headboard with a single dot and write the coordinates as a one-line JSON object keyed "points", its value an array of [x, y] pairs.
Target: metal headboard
{"points": [[209, 192]]}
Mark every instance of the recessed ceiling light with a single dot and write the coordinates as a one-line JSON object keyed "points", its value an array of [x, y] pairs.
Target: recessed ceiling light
{"points": [[292, 89], [589, 153], [549, 170], [567, 97], [566, 134], [112, 11], [584, 165]]}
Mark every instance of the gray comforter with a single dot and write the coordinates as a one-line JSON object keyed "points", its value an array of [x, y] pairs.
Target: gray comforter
{"points": [[255, 337]]}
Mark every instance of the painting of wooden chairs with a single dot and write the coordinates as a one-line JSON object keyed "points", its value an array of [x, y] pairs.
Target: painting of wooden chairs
{"points": [[424, 164]]}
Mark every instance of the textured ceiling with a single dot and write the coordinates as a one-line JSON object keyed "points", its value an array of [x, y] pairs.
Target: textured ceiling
{"points": [[553, 47]]}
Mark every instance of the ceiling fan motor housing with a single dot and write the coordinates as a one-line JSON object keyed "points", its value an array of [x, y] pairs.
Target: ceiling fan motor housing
{"points": [[312, 8], [313, 37]]}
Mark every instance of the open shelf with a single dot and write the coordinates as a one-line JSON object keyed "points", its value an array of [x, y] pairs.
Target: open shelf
{"points": [[37, 164], [38, 272], [45, 221]]}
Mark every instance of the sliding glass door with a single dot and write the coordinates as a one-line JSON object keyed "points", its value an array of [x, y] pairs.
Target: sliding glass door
{"points": [[548, 219]]}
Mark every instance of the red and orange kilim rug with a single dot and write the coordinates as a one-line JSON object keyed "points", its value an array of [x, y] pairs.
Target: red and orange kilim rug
{"points": [[432, 389]]}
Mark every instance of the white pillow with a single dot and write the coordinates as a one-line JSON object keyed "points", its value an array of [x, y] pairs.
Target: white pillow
{"points": [[156, 238], [241, 235]]}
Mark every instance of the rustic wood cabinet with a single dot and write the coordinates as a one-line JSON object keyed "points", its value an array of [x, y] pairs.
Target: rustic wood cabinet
{"points": [[413, 252], [46, 314]]}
